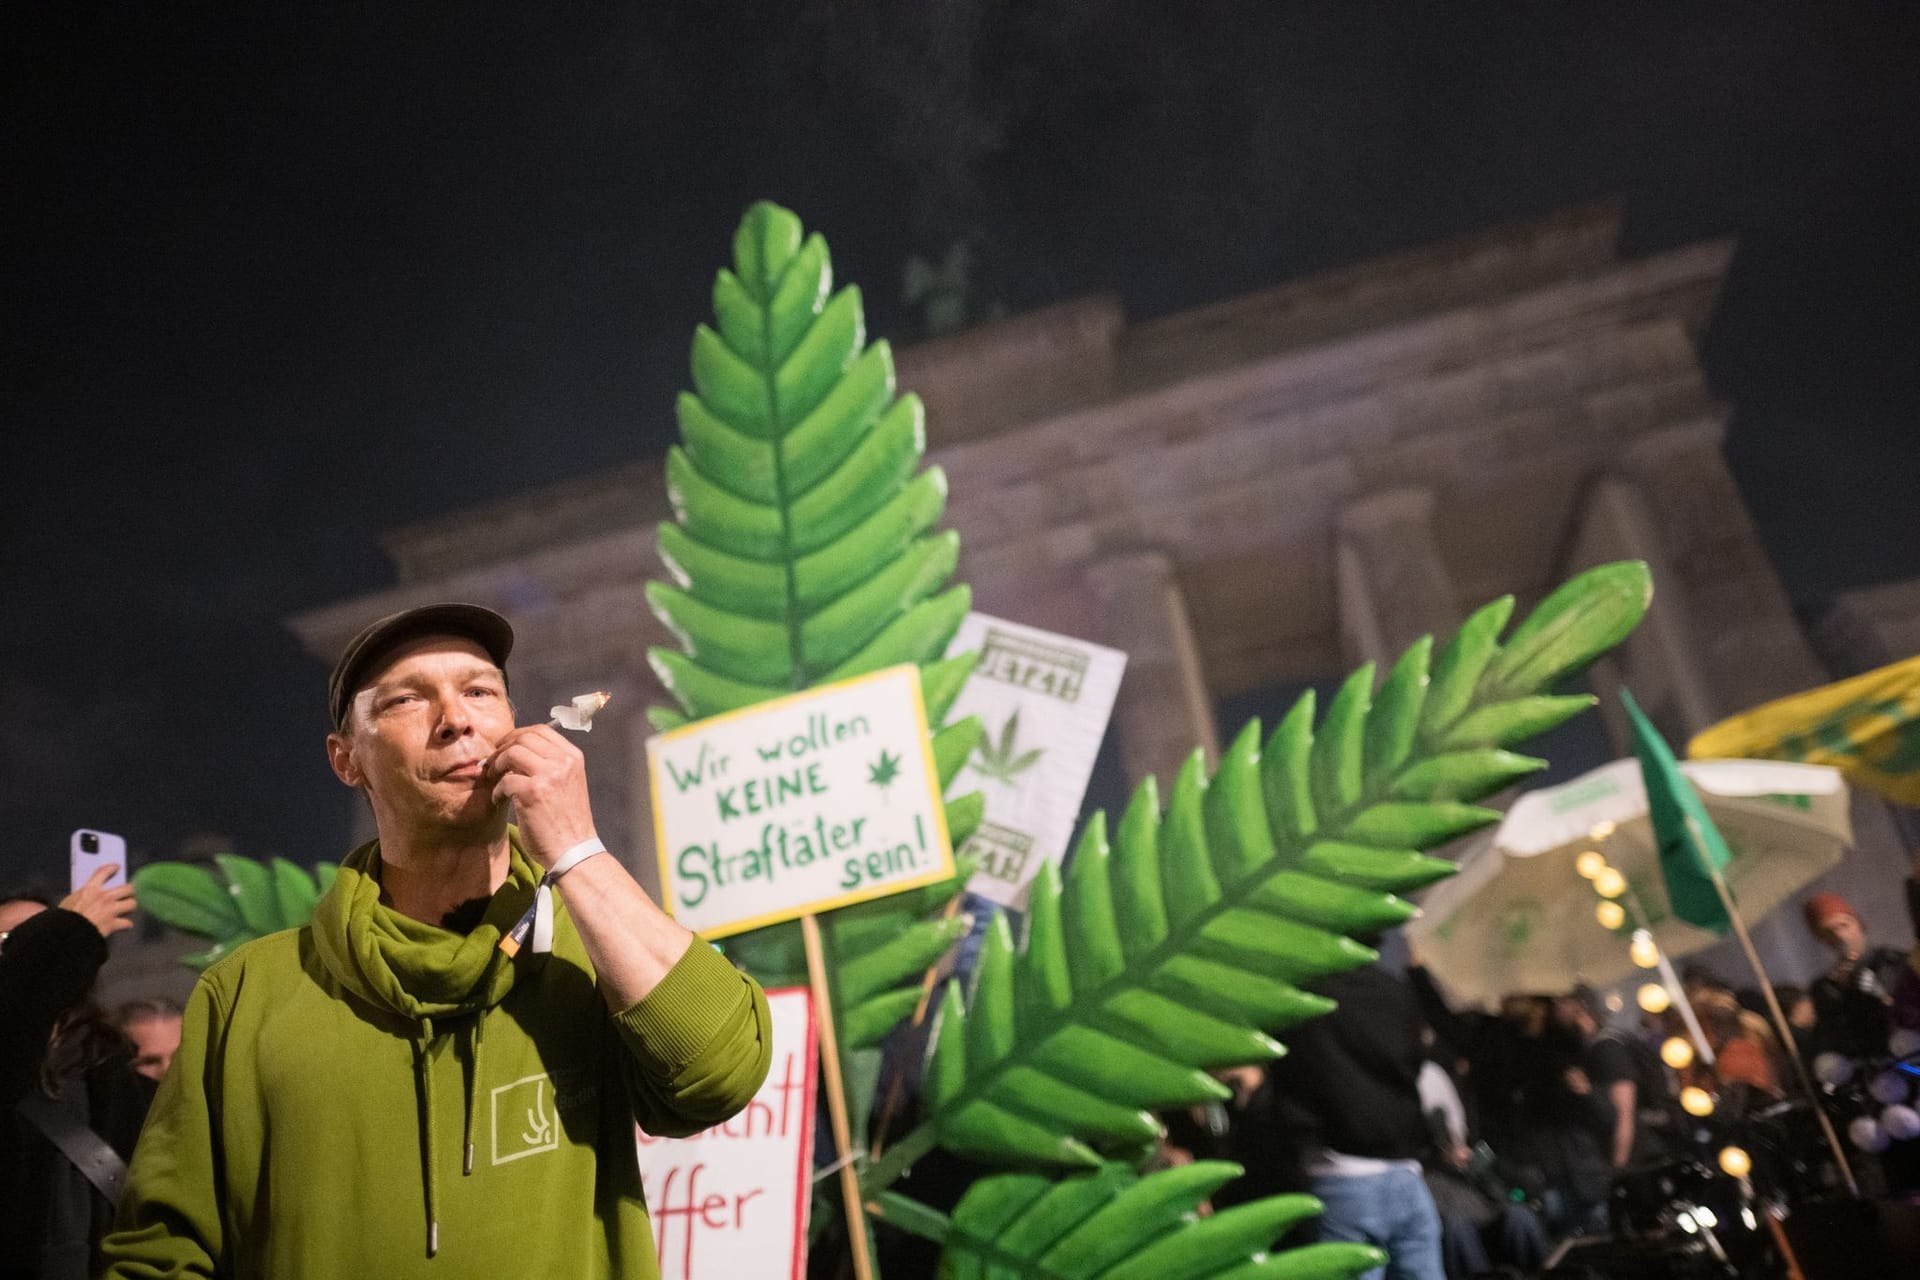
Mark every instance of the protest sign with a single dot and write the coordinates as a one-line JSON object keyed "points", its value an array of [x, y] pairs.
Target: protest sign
{"points": [[798, 805], [1045, 700], [733, 1200]]}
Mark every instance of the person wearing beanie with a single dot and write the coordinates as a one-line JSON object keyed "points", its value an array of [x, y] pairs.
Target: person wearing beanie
{"points": [[1853, 999]]}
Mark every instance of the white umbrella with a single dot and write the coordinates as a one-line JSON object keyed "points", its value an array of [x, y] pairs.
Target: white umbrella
{"points": [[1520, 917]]}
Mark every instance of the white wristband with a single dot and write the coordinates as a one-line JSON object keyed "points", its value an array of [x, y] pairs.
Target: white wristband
{"points": [[538, 918], [572, 858]]}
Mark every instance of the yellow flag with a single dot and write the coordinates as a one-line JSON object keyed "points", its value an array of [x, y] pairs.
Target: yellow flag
{"points": [[1867, 727]]}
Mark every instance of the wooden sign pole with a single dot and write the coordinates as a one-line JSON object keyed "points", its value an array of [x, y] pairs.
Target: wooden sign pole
{"points": [[837, 1100], [896, 1087]]}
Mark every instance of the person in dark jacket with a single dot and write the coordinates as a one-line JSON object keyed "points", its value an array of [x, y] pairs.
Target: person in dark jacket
{"points": [[1346, 1101], [1534, 1102], [1623, 1077], [1853, 1000], [67, 1081]]}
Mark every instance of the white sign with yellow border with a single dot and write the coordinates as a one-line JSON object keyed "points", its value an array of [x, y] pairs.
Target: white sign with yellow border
{"points": [[798, 805]]}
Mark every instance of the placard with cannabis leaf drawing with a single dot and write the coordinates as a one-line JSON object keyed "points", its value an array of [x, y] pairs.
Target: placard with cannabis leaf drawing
{"points": [[798, 805], [1045, 700]]}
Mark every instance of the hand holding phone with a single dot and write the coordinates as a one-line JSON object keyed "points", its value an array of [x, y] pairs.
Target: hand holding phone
{"points": [[88, 851], [97, 866], [108, 909]]}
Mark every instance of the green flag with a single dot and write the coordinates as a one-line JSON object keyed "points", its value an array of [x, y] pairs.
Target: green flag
{"points": [[1689, 842]]}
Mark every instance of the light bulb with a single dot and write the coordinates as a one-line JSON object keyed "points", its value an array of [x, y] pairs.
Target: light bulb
{"points": [[1902, 1124], [1888, 1087], [1611, 915], [1653, 997], [1590, 864], [1735, 1162], [1867, 1134], [1610, 883], [1696, 1101], [1833, 1068], [1677, 1053], [1601, 830], [1614, 1003], [1644, 952]]}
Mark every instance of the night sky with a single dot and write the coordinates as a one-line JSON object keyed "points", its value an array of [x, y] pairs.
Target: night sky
{"points": [[279, 282]]}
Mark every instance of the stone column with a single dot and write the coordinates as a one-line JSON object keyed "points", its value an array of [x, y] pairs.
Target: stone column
{"points": [[1164, 709], [1393, 586], [1749, 646], [1661, 660]]}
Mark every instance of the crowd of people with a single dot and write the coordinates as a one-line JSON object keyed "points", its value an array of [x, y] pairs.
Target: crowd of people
{"points": [[1467, 1143], [1471, 1143]]}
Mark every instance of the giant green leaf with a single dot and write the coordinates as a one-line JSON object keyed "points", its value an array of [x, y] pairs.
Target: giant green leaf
{"points": [[1112, 1224], [294, 893], [251, 885], [1179, 945], [244, 899], [804, 549], [189, 897], [878, 952]]}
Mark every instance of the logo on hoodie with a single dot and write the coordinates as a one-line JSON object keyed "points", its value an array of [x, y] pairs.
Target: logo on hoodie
{"points": [[525, 1119]]}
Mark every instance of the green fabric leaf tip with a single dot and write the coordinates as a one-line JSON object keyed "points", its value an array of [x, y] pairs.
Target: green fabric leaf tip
{"points": [[1188, 933], [804, 548]]}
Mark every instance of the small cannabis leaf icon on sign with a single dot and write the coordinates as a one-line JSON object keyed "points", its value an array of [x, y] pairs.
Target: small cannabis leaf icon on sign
{"points": [[883, 771], [998, 761]]}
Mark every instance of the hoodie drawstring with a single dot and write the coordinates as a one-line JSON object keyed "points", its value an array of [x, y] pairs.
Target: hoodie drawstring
{"points": [[473, 1088], [423, 1068]]}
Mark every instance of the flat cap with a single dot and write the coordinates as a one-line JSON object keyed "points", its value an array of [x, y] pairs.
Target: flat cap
{"points": [[363, 653]]}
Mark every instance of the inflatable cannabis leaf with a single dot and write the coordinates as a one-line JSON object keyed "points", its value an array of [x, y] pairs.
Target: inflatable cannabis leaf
{"points": [[1115, 1225], [242, 900], [1188, 934], [804, 547], [804, 551]]}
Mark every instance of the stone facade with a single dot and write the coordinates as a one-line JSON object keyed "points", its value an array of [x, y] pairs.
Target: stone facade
{"points": [[1264, 491], [1871, 627]]}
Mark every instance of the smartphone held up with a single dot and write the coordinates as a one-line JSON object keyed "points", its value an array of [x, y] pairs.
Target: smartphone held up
{"points": [[90, 850]]}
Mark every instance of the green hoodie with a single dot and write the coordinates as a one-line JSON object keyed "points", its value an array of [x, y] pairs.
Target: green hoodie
{"points": [[370, 1096]]}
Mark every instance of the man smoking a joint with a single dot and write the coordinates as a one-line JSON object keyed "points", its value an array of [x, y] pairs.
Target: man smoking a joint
{"points": [[440, 1075]]}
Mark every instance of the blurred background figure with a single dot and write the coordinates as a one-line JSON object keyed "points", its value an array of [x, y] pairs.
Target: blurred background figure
{"points": [[1853, 1000], [1534, 1103], [1346, 1099], [152, 1027], [1484, 1221], [1797, 1004], [1749, 1064], [1240, 1128], [1624, 1073], [71, 1104]]}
